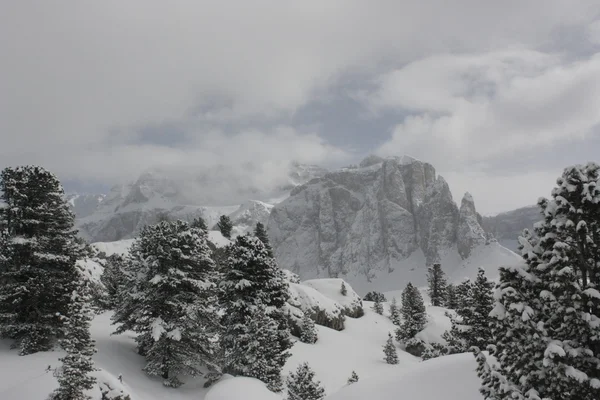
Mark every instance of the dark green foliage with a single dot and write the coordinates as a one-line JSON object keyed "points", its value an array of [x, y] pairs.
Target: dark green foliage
{"points": [[389, 351], [437, 289], [378, 307], [301, 385], [37, 261], [451, 297], [199, 223], [74, 376], [343, 289], [413, 314], [225, 226], [545, 319], [472, 326], [373, 296], [261, 233], [171, 301], [254, 285], [395, 312], [113, 278], [309, 331]]}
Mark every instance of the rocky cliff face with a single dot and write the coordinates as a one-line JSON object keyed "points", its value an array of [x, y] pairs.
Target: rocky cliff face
{"points": [[470, 232], [362, 220]]}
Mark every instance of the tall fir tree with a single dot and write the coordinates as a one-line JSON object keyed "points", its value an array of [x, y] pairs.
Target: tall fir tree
{"points": [[413, 314], [252, 282], [74, 376], [301, 385], [309, 331], [546, 319], [378, 306], [389, 351], [37, 263], [438, 285], [261, 233], [451, 297], [173, 306], [472, 327], [199, 223], [225, 226], [113, 279], [395, 312]]}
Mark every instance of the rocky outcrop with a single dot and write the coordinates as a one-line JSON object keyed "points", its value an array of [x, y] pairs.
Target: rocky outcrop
{"points": [[361, 220], [470, 233], [508, 226]]}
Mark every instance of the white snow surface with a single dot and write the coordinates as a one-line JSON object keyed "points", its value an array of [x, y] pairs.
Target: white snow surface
{"points": [[120, 247], [332, 289], [230, 388], [449, 378], [217, 238]]}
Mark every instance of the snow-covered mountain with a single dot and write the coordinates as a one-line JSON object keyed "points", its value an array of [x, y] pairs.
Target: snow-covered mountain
{"points": [[158, 194], [385, 215], [508, 226], [84, 204]]}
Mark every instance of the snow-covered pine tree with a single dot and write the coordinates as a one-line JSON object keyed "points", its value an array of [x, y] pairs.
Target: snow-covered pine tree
{"points": [[373, 296], [261, 233], [253, 282], [37, 267], [199, 223], [378, 306], [472, 326], [309, 331], [546, 321], [74, 375], [395, 312], [301, 385], [451, 297], [389, 350], [413, 314], [353, 378], [173, 306], [343, 289], [437, 289], [113, 279], [225, 226]]}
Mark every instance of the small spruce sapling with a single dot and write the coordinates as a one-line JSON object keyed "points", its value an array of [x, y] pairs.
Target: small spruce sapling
{"points": [[301, 385], [353, 378], [378, 307], [343, 289], [309, 332], [389, 350], [395, 312]]}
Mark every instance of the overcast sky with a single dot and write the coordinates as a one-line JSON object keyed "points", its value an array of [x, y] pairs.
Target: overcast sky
{"points": [[498, 95]]}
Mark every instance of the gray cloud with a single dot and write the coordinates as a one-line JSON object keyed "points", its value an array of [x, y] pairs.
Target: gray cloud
{"points": [[99, 92]]}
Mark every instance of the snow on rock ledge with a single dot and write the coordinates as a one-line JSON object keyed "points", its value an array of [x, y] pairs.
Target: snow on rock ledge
{"points": [[240, 388], [351, 301]]}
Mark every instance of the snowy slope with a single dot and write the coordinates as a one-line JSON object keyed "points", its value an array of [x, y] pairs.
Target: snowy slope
{"points": [[231, 388], [445, 378], [109, 248]]}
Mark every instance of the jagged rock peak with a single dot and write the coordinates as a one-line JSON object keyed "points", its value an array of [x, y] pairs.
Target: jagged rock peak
{"points": [[470, 232]]}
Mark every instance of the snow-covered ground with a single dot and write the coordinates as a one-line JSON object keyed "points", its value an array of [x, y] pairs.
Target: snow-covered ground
{"points": [[335, 355]]}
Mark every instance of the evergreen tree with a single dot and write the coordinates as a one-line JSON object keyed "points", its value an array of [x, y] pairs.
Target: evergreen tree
{"points": [[253, 282], [301, 385], [545, 319], [309, 331], [472, 327], [343, 289], [37, 263], [225, 226], [437, 285], [199, 223], [353, 378], [74, 376], [389, 349], [413, 313], [395, 312], [261, 233], [113, 279], [451, 297], [172, 305], [373, 296], [378, 307]]}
